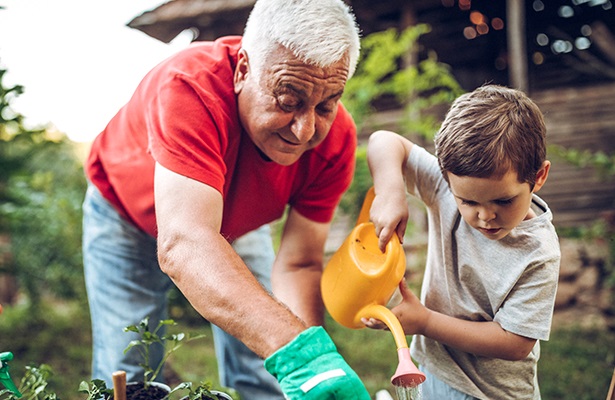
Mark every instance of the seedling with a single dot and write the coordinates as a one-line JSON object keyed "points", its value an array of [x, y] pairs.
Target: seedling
{"points": [[96, 389], [200, 392], [148, 338]]}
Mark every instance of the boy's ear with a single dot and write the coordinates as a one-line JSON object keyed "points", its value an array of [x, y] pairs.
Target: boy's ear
{"points": [[541, 175]]}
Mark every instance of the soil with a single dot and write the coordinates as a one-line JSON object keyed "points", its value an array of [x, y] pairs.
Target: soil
{"points": [[139, 392]]}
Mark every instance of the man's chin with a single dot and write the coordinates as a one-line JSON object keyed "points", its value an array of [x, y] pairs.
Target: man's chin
{"points": [[283, 158], [279, 157], [286, 161]]}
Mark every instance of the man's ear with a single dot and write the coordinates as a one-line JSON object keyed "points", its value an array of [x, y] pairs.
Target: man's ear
{"points": [[541, 175], [241, 71]]}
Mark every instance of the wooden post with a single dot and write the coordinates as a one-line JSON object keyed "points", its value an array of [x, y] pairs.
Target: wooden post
{"points": [[611, 394], [517, 50], [119, 385]]}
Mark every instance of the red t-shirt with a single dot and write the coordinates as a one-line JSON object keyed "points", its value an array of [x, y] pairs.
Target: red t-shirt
{"points": [[184, 116]]}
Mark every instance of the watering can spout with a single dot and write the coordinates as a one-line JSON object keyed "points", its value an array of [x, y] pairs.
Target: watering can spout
{"points": [[407, 374]]}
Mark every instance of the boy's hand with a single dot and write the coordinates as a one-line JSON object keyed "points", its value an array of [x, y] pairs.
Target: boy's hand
{"points": [[389, 213], [374, 323], [411, 313], [310, 368]]}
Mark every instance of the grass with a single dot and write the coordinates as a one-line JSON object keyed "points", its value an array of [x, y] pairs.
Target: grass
{"points": [[575, 364]]}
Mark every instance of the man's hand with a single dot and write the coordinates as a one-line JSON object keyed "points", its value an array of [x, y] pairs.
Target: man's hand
{"points": [[310, 368]]}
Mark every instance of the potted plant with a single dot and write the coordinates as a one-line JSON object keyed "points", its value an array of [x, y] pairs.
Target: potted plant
{"points": [[96, 389], [148, 388], [202, 392]]}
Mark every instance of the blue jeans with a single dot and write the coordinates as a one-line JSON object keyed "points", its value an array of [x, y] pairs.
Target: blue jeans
{"points": [[434, 389], [125, 284]]}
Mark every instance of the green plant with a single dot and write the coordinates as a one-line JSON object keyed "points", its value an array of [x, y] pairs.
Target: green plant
{"points": [[200, 392], [33, 385], [41, 190], [148, 338], [421, 89], [418, 87], [95, 389], [601, 162]]}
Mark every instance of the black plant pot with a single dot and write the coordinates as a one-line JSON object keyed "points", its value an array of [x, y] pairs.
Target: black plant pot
{"points": [[221, 395], [155, 391]]}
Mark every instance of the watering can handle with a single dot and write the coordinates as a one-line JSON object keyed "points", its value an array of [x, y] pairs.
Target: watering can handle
{"points": [[364, 213], [385, 315], [367, 204]]}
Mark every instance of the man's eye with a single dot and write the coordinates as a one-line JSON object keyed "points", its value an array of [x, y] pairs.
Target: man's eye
{"points": [[326, 109], [287, 103]]}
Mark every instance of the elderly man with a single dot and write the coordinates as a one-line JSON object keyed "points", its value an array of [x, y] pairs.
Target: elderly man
{"points": [[218, 141]]}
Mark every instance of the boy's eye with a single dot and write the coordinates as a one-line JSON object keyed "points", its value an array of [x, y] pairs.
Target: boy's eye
{"points": [[504, 202], [468, 202]]}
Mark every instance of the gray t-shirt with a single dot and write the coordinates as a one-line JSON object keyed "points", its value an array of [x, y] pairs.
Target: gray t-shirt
{"points": [[512, 281]]}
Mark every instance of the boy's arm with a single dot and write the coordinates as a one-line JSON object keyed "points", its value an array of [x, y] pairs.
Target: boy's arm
{"points": [[387, 153], [486, 339]]}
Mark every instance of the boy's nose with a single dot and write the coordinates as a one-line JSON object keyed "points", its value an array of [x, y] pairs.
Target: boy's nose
{"points": [[485, 214]]}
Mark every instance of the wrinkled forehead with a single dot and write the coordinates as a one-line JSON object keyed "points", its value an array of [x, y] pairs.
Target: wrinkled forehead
{"points": [[285, 71], [280, 59]]}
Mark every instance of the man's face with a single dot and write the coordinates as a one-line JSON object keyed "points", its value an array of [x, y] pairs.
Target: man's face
{"points": [[288, 107], [493, 206]]}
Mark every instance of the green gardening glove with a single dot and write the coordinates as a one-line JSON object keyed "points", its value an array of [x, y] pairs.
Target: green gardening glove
{"points": [[310, 368]]}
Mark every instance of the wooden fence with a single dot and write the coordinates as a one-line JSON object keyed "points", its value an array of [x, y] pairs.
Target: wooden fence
{"points": [[579, 118]]}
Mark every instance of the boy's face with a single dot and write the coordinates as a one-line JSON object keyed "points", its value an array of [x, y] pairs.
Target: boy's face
{"points": [[494, 206]]}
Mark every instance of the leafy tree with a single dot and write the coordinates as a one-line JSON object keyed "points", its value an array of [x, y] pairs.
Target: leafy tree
{"points": [[41, 189], [421, 89], [417, 88]]}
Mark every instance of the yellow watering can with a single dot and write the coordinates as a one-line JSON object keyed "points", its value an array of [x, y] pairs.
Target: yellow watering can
{"points": [[359, 280]]}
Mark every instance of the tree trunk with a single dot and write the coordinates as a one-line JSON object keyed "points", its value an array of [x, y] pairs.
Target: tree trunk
{"points": [[8, 283]]}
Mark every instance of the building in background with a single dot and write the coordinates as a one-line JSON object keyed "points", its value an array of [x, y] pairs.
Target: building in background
{"points": [[561, 52]]}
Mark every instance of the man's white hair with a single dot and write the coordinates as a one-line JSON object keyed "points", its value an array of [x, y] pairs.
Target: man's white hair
{"points": [[318, 32]]}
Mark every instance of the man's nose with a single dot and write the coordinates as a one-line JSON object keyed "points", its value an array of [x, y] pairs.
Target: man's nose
{"points": [[303, 126]]}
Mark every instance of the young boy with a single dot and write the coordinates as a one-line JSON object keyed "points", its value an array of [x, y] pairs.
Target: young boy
{"points": [[493, 255]]}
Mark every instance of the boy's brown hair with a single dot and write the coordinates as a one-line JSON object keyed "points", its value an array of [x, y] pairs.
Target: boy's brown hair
{"points": [[489, 131]]}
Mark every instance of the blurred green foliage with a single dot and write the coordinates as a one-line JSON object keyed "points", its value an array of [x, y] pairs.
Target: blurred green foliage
{"points": [[41, 190], [421, 89], [383, 71], [601, 162]]}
